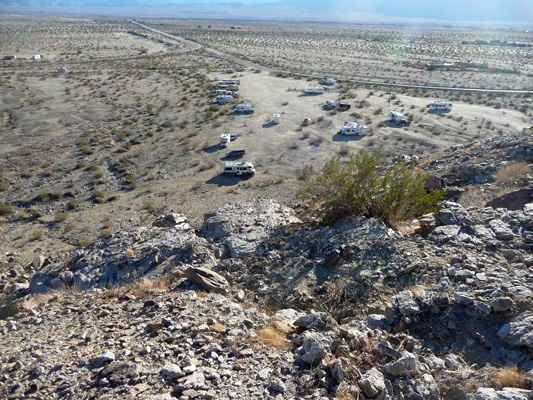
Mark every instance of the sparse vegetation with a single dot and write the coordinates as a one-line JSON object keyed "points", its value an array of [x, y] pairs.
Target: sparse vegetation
{"points": [[364, 186]]}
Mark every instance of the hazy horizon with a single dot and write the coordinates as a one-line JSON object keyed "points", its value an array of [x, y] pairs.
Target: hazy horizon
{"points": [[358, 11]]}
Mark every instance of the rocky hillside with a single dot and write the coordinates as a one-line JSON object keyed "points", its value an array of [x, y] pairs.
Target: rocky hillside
{"points": [[264, 303]]}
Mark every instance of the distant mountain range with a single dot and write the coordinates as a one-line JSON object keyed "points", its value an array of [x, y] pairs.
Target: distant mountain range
{"points": [[321, 10]]}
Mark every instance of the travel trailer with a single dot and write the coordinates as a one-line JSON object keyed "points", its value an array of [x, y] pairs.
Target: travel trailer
{"points": [[223, 98], [276, 118], [352, 129], [398, 118], [314, 90], [440, 106], [244, 108]]}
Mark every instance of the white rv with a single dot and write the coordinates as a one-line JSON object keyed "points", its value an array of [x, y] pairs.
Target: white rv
{"points": [[37, 57], [314, 90], [398, 118], [239, 169], [222, 98], [331, 104], [440, 106], [225, 139], [352, 129], [244, 108], [276, 118]]}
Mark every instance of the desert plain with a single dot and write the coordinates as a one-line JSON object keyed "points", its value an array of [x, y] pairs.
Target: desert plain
{"points": [[130, 130]]}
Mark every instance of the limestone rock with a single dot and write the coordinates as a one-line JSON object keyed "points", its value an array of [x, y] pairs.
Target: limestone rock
{"points": [[209, 280], [372, 383]]}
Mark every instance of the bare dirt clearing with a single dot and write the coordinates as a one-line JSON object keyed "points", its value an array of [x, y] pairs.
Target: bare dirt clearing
{"points": [[120, 138]]}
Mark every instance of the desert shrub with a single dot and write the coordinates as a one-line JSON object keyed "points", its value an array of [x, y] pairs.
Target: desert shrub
{"points": [[511, 172], [3, 187], [364, 186], [510, 377], [43, 196], [60, 217], [305, 172], [5, 209]]}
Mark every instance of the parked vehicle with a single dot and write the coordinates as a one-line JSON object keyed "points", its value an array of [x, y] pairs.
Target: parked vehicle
{"points": [[440, 106], [344, 106], [225, 140], [306, 121], [62, 69], [244, 108], [398, 118], [331, 104], [236, 153], [233, 137], [327, 81], [314, 90], [226, 92], [276, 118], [229, 71], [223, 98], [239, 169], [352, 129]]}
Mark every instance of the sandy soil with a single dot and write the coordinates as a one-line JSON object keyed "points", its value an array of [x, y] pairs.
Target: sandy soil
{"points": [[118, 140]]}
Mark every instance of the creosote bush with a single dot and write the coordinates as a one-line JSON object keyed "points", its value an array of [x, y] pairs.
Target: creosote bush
{"points": [[363, 185]]}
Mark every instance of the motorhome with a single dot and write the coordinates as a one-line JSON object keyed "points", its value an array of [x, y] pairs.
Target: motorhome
{"points": [[352, 129], [239, 169], [225, 140], [226, 92], [331, 104], [440, 106], [314, 90], [244, 108], [398, 118]]}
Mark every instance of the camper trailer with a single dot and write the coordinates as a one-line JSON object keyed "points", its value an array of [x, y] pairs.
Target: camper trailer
{"points": [[331, 104], [244, 108], [223, 98], [314, 90], [440, 106], [239, 169], [276, 118], [352, 129], [398, 118]]}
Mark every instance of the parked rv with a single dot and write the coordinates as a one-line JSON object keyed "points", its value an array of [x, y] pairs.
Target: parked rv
{"points": [[62, 69], [440, 106], [276, 118], [244, 108], [225, 140], [331, 104], [239, 169], [226, 92], [352, 129], [398, 118], [223, 99], [236, 153], [229, 71], [9, 58], [314, 90]]}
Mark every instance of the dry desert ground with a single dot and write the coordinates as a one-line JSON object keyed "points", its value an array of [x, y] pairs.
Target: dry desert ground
{"points": [[131, 130]]}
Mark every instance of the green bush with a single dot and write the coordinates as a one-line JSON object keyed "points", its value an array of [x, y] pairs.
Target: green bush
{"points": [[5, 209], [364, 186]]}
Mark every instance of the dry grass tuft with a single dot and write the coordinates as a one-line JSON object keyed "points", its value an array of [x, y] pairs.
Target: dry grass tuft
{"points": [[510, 173], [143, 287], [474, 196], [510, 377], [275, 335], [217, 327]]}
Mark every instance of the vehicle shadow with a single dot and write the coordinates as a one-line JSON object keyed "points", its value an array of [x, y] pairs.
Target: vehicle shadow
{"points": [[269, 124], [392, 124], [212, 149], [439, 111], [223, 180], [342, 138], [310, 94]]}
